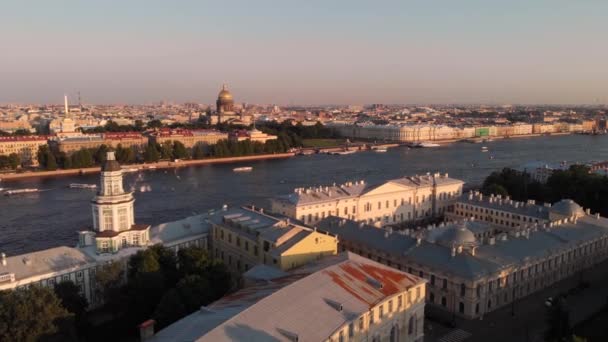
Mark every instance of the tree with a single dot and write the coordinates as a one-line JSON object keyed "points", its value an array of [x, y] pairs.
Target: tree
{"points": [[170, 308], [179, 150], [166, 150], [22, 131], [125, 155], [46, 159], [151, 154], [109, 280], [494, 189], [14, 160], [30, 314], [193, 260], [71, 299], [155, 124], [198, 151]]}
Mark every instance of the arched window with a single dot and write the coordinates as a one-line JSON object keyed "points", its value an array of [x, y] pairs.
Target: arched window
{"points": [[394, 333], [411, 326]]}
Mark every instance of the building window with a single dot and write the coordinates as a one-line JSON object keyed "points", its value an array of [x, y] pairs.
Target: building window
{"points": [[361, 323], [417, 293], [432, 298], [107, 219], [462, 289], [432, 280], [390, 305], [122, 218], [399, 301], [255, 250], [351, 329], [443, 301], [371, 316], [445, 284], [381, 312], [410, 325], [461, 307], [341, 336]]}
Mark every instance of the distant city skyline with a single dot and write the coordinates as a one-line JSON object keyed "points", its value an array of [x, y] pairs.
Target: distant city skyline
{"points": [[305, 53]]}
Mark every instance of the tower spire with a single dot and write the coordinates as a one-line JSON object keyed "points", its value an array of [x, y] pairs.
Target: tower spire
{"points": [[66, 107]]}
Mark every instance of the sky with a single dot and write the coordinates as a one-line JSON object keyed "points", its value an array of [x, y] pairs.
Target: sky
{"points": [[291, 52]]}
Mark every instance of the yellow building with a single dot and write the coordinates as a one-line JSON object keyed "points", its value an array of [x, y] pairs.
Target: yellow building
{"points": [[71, 144], [189, 138], [254, 136], [395, 201], [26, 147], [340, 298], [245, 237]]}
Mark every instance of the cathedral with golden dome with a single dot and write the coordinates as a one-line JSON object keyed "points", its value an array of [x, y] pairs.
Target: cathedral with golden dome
{"points": [[225, 101]]}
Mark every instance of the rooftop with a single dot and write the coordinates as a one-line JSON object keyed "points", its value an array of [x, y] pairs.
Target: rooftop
{"points": [[58, 259], [323, 296]]}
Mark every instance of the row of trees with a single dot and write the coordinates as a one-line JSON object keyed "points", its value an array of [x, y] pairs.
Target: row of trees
{"points": [[50, 159], [577, 183], [160, 285], [11, 162]]}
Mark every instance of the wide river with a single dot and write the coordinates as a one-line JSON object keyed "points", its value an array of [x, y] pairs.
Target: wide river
{"points": [[52, 217]]}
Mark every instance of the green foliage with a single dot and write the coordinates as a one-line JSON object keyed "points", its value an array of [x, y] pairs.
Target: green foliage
{"points": [[84, 158], [109, 280], [151, 154], [30, 314], [155, 124], [22, 132], [12, 161], [170, 308], [179, 151], [198, 151], [125, 155], [46, 158], [166, 150], [576, 183], [71, 299]]}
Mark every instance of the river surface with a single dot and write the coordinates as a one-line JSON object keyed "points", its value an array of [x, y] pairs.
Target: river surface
{"points": [[53, 217]]}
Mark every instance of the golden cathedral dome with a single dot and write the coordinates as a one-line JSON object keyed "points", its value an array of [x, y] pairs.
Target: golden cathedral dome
{"points": [[224, 94]]}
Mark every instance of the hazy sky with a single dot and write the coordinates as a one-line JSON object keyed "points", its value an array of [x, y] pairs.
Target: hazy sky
{"points": [[305, 51]]}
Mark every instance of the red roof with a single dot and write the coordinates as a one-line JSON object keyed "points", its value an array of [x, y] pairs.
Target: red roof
{"points": [[25, 138]]}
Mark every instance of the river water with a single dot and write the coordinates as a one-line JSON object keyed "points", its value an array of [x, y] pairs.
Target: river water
{"points": [[52, 217]]}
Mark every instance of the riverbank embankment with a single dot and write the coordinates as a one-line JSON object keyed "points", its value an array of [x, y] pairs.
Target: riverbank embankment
{"points": [[147, 166]]}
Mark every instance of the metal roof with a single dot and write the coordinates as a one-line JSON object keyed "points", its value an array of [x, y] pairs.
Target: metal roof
{"points": [[311, 303]]}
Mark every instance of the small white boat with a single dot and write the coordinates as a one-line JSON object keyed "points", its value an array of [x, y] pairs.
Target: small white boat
{"points": [[20, 191], [342, 153], [426, 144], [243, 169], [130, 169], [82, 186], [484, 149], [381, 150]]}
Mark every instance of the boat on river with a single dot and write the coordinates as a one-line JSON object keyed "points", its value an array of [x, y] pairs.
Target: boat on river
{"points": [[243, 169], [82, 186], [20, 191]]}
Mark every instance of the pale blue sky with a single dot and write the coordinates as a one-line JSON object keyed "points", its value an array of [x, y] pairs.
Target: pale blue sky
{"points": [[305, 52]]}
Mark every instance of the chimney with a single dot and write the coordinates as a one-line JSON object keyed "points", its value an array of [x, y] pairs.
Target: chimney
{"points": [[146, 330]]}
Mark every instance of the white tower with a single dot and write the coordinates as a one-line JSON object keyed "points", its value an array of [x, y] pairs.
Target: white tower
{"points": [[112, 207], [66, 107], [113, 219]]}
